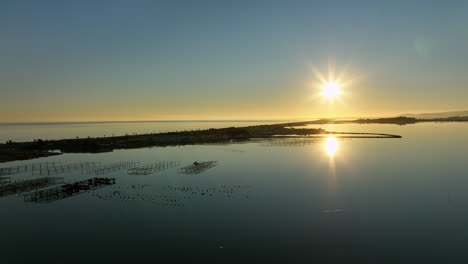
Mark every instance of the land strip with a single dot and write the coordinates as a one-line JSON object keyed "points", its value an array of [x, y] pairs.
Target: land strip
{"points": [[12, 151]]}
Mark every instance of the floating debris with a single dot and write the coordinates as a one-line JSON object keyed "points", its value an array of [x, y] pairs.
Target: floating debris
{"points": [[110, 168], [197, 167], [333, 211], [118, 196], [171, 195], [152, 168], [139, 186], [28, 185], [127, 194], [224, 190], [68, 190]]}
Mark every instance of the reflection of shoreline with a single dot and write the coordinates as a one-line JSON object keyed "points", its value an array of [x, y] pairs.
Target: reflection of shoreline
{"points": [[342, 135], [297, 141], [42, 148]]}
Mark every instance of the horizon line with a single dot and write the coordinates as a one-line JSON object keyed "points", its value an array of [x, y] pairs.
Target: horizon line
{"points": [[176, 120]]}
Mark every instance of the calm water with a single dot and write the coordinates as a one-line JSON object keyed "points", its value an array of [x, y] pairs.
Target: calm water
{"points": [[367, 200], [30, 131]]}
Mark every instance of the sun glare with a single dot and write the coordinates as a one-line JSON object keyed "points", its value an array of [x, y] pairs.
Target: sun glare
{"points": [[332, 85], [331, 90], [331, 146]]}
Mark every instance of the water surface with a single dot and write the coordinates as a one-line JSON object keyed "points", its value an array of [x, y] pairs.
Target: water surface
{"points": [[30, 131], [372, 200]]}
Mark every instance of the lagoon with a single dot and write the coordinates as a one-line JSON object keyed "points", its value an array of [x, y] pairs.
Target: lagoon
{"points": [[376, 200]]}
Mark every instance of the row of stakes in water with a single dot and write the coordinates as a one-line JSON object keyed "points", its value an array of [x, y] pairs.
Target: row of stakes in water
{"points": [[53, 168], [195, 168], [47, 168], [152, 168], [32, 167]]}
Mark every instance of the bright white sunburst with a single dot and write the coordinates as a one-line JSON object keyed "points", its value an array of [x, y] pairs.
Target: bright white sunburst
{"points": [[330, 90]]}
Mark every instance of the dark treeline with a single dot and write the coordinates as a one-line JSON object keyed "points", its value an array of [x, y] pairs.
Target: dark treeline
{"points": [[11, 151], [40, 148]]}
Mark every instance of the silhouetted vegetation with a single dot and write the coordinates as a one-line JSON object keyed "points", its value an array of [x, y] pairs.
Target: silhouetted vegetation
{"points": [[41, 148]]}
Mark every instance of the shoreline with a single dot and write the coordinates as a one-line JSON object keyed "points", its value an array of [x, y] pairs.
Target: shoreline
{"points": [[14, 151]]}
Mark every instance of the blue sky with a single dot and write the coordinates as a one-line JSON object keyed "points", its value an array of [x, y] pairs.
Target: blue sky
{"points": [[139, 60]]}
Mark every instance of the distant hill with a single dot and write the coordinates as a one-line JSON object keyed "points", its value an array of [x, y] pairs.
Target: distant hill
{"points": [[438, 115]]}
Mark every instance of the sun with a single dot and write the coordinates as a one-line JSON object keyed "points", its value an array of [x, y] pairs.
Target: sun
{"points": [[332, 86], [331, 90]]}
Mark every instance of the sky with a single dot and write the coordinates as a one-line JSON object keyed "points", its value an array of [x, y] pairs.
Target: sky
{"points": [[222, 60]]}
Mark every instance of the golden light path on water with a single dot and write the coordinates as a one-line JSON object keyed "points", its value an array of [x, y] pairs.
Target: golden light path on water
{"points": [[331, 146]]}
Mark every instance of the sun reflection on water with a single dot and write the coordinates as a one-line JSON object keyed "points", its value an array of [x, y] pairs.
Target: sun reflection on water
{"points": [[331, 146]]}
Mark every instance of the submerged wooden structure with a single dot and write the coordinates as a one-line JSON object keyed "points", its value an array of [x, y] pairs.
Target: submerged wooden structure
{"points": [[105, 169], [28, 168], [28, 185], [67, 190], [152, 168], [47, 168], [58, 169], [4, 180], [197, 167]]}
